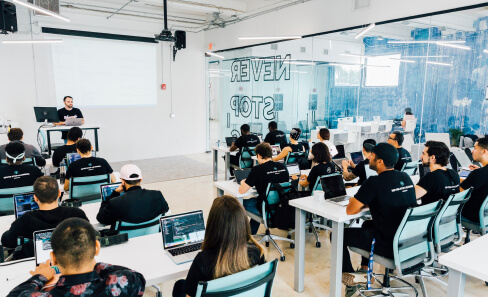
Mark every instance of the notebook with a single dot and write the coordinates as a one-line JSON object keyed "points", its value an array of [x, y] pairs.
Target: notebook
{"points": [[24, 203], [335, 189], [107, 189], [183, 235]]}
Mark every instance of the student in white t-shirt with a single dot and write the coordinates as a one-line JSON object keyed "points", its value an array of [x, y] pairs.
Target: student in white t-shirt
{"points": [[408, 116], [324, 136]]}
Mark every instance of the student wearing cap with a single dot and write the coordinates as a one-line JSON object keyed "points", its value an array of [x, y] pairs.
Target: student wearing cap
{"points": [[275, 136], [440, 182], [359, 170], [245, 140], [16, 174], [293, 147], [74, 134], [16, 134], [396, 139], [408, 116], [131, 203], [388, 195]]}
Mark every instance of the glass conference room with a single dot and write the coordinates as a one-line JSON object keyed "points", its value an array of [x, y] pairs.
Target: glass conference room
{"points": [[435, 65]]}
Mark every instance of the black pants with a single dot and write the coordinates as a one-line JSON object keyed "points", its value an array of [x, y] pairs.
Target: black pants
{"points": [[178, 289], [362, 238], [234, 160]]}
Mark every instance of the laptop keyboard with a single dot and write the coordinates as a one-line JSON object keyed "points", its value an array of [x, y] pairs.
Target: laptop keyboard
{"points": [[185, 249]]}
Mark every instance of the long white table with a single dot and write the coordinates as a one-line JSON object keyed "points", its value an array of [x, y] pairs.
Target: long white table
{"points": [[143, 254], [470, 259], [226, 150], [232, 188], [49, 129]]}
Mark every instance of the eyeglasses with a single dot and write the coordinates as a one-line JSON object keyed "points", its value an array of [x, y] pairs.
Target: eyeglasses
{"points": [[391, 138]]}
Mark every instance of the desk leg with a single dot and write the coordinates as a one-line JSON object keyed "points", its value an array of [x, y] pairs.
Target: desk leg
{"points": [[215, 164], [48, 134], [336, 259], [227, 166], [299, 249], [95, 131], [455, 287]]}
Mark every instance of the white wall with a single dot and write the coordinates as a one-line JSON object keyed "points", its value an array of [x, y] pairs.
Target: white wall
{"points": [[127, 133], [323, 15]]}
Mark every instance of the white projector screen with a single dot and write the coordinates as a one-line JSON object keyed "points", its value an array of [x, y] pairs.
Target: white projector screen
{"points": [[105, 72]]}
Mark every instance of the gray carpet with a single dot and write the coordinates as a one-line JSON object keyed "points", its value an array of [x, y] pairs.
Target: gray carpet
{"points": [[168, 168]]}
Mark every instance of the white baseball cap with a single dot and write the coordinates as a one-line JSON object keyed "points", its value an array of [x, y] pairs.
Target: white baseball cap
{"points": [[130, 172]]}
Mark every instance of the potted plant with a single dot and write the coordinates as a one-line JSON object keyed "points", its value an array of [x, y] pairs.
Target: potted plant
{"points": [[455, 136]]}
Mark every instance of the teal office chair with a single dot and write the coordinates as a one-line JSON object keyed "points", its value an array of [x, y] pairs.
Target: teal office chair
{"points": [[412, 250], [27, 161], [7, 198], [254, 282], [410, 168], [272, 199], [477, 227], [87, 189], [139, 229], [293, 157], [245, 159]]}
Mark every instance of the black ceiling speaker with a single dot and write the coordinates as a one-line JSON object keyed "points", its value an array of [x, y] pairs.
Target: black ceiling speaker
{"points": [[8, 17], [180, 41]]}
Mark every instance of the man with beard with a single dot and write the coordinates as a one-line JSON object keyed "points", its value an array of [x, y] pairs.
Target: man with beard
{"points": [[131, 203], [68, 111]]}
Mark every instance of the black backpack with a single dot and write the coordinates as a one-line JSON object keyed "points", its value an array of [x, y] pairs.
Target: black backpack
{"points": [[282, 214]]}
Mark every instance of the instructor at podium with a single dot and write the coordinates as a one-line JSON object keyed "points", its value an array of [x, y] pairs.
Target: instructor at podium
{"points": [[68, 112]]}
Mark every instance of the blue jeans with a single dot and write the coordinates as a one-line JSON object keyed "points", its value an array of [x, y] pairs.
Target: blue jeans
{"points": [[251, 206]]}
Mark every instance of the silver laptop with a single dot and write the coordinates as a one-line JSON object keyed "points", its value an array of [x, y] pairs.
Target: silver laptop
{"points": [[276, 149], [293, 169], [335, 189], [338, 163], [73, 122], [183, 235], [462, 158]]}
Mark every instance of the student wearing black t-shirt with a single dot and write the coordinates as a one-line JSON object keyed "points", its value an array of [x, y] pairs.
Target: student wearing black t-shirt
{"points": [[478, 179], [225, 251], [49, 215], [396, 139], [359, 170], [16, 174], [275, 136], [16, 134], [87, 165], [440, 182], [245, 140], [68, 111], [293, 147], [260, 176], [74, 134], [321, 157], [388, 196]]}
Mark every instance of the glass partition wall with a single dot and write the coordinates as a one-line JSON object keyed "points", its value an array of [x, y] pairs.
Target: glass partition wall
{"points": [[436, 65]]}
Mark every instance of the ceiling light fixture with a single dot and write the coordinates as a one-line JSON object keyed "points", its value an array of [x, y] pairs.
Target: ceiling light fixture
{"points": [[463, 47], [425, 56], [367, 29], [353, 55], [403, 60], [35, 41], [41, 10], [425, 41], [269, 37], [215, 55], [438, 63], [485, 51]]}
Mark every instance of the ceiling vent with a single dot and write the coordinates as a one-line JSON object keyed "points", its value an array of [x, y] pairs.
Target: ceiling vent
{"points": [[52, 5]]}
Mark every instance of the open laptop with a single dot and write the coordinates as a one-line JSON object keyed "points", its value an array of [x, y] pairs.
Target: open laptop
{"points": [[230, 140], [338, 163], [107, 189], [241, 175], [423, 170], [293, 169], [183, 235], [42, 246], [276, 149], [71, 157], [24, 203], [357, 157], [73, 122], [335, 189], [462, 158]]}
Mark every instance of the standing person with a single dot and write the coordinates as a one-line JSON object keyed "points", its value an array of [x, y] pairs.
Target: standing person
{"points": [[359, 170], [225, 251], [74, 134], [324, 137], [68, 111], [275, 136], [16, 134], [408, 116], [396, 139]]}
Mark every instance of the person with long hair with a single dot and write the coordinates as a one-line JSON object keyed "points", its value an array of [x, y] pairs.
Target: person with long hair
{"points": [[227, 248]]}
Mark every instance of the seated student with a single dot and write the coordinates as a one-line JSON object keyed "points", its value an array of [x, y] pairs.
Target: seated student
{"points": [[16, 134], [275, 136], [387, 204], [225, 251], [396, 139], [324, 136], [59, 154], [260, 176], [293, 147], [136, 205], [17, 174], [75, 245], [321, 157], [359, 169], [87, 165], [245, 140], [49, 215], [440, 182], [478, 179]]}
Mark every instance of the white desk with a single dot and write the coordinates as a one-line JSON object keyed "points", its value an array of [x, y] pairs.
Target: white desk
{"points": [[143, 254], [232, 188], [470, 259], [226, 150], [49, 129]]}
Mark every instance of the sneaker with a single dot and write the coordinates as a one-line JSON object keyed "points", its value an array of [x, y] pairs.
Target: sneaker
{"points": [[350, 291], [355, 278]]}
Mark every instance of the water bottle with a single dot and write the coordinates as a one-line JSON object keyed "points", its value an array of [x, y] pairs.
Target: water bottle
{"points": [[62, 172]]}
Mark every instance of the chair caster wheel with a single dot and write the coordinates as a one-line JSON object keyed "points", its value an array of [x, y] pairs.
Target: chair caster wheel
{"points": [[317, 244], [267, 244], [282, 258], [292, 245], [288, 236]]}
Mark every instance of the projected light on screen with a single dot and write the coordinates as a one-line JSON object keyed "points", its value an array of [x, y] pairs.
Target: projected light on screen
{"points": [[105, 73]]}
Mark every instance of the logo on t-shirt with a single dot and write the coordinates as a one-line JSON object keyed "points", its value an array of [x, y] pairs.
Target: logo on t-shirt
{"points": [[90, 164], [402, 183], [274, 168], [329, 169], [16, 172]]}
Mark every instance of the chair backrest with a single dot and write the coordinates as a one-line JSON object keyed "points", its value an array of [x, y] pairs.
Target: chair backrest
{"points": [[87, 188], [388, 126], [322, 124], [318, 183], [376, 118], [7, 198], [245, 159], [139, 229], [375, 126], [484, 216], [27, 161], [349, 119], [410, 168], [410, 125], [352, 136], [293, 157], [413, 239], [359, 119], [254, 282], [273, 197], [340, 123], [447, 225]]}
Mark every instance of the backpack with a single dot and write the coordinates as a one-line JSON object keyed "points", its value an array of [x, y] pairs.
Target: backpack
{"points": [[282, 214]]}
